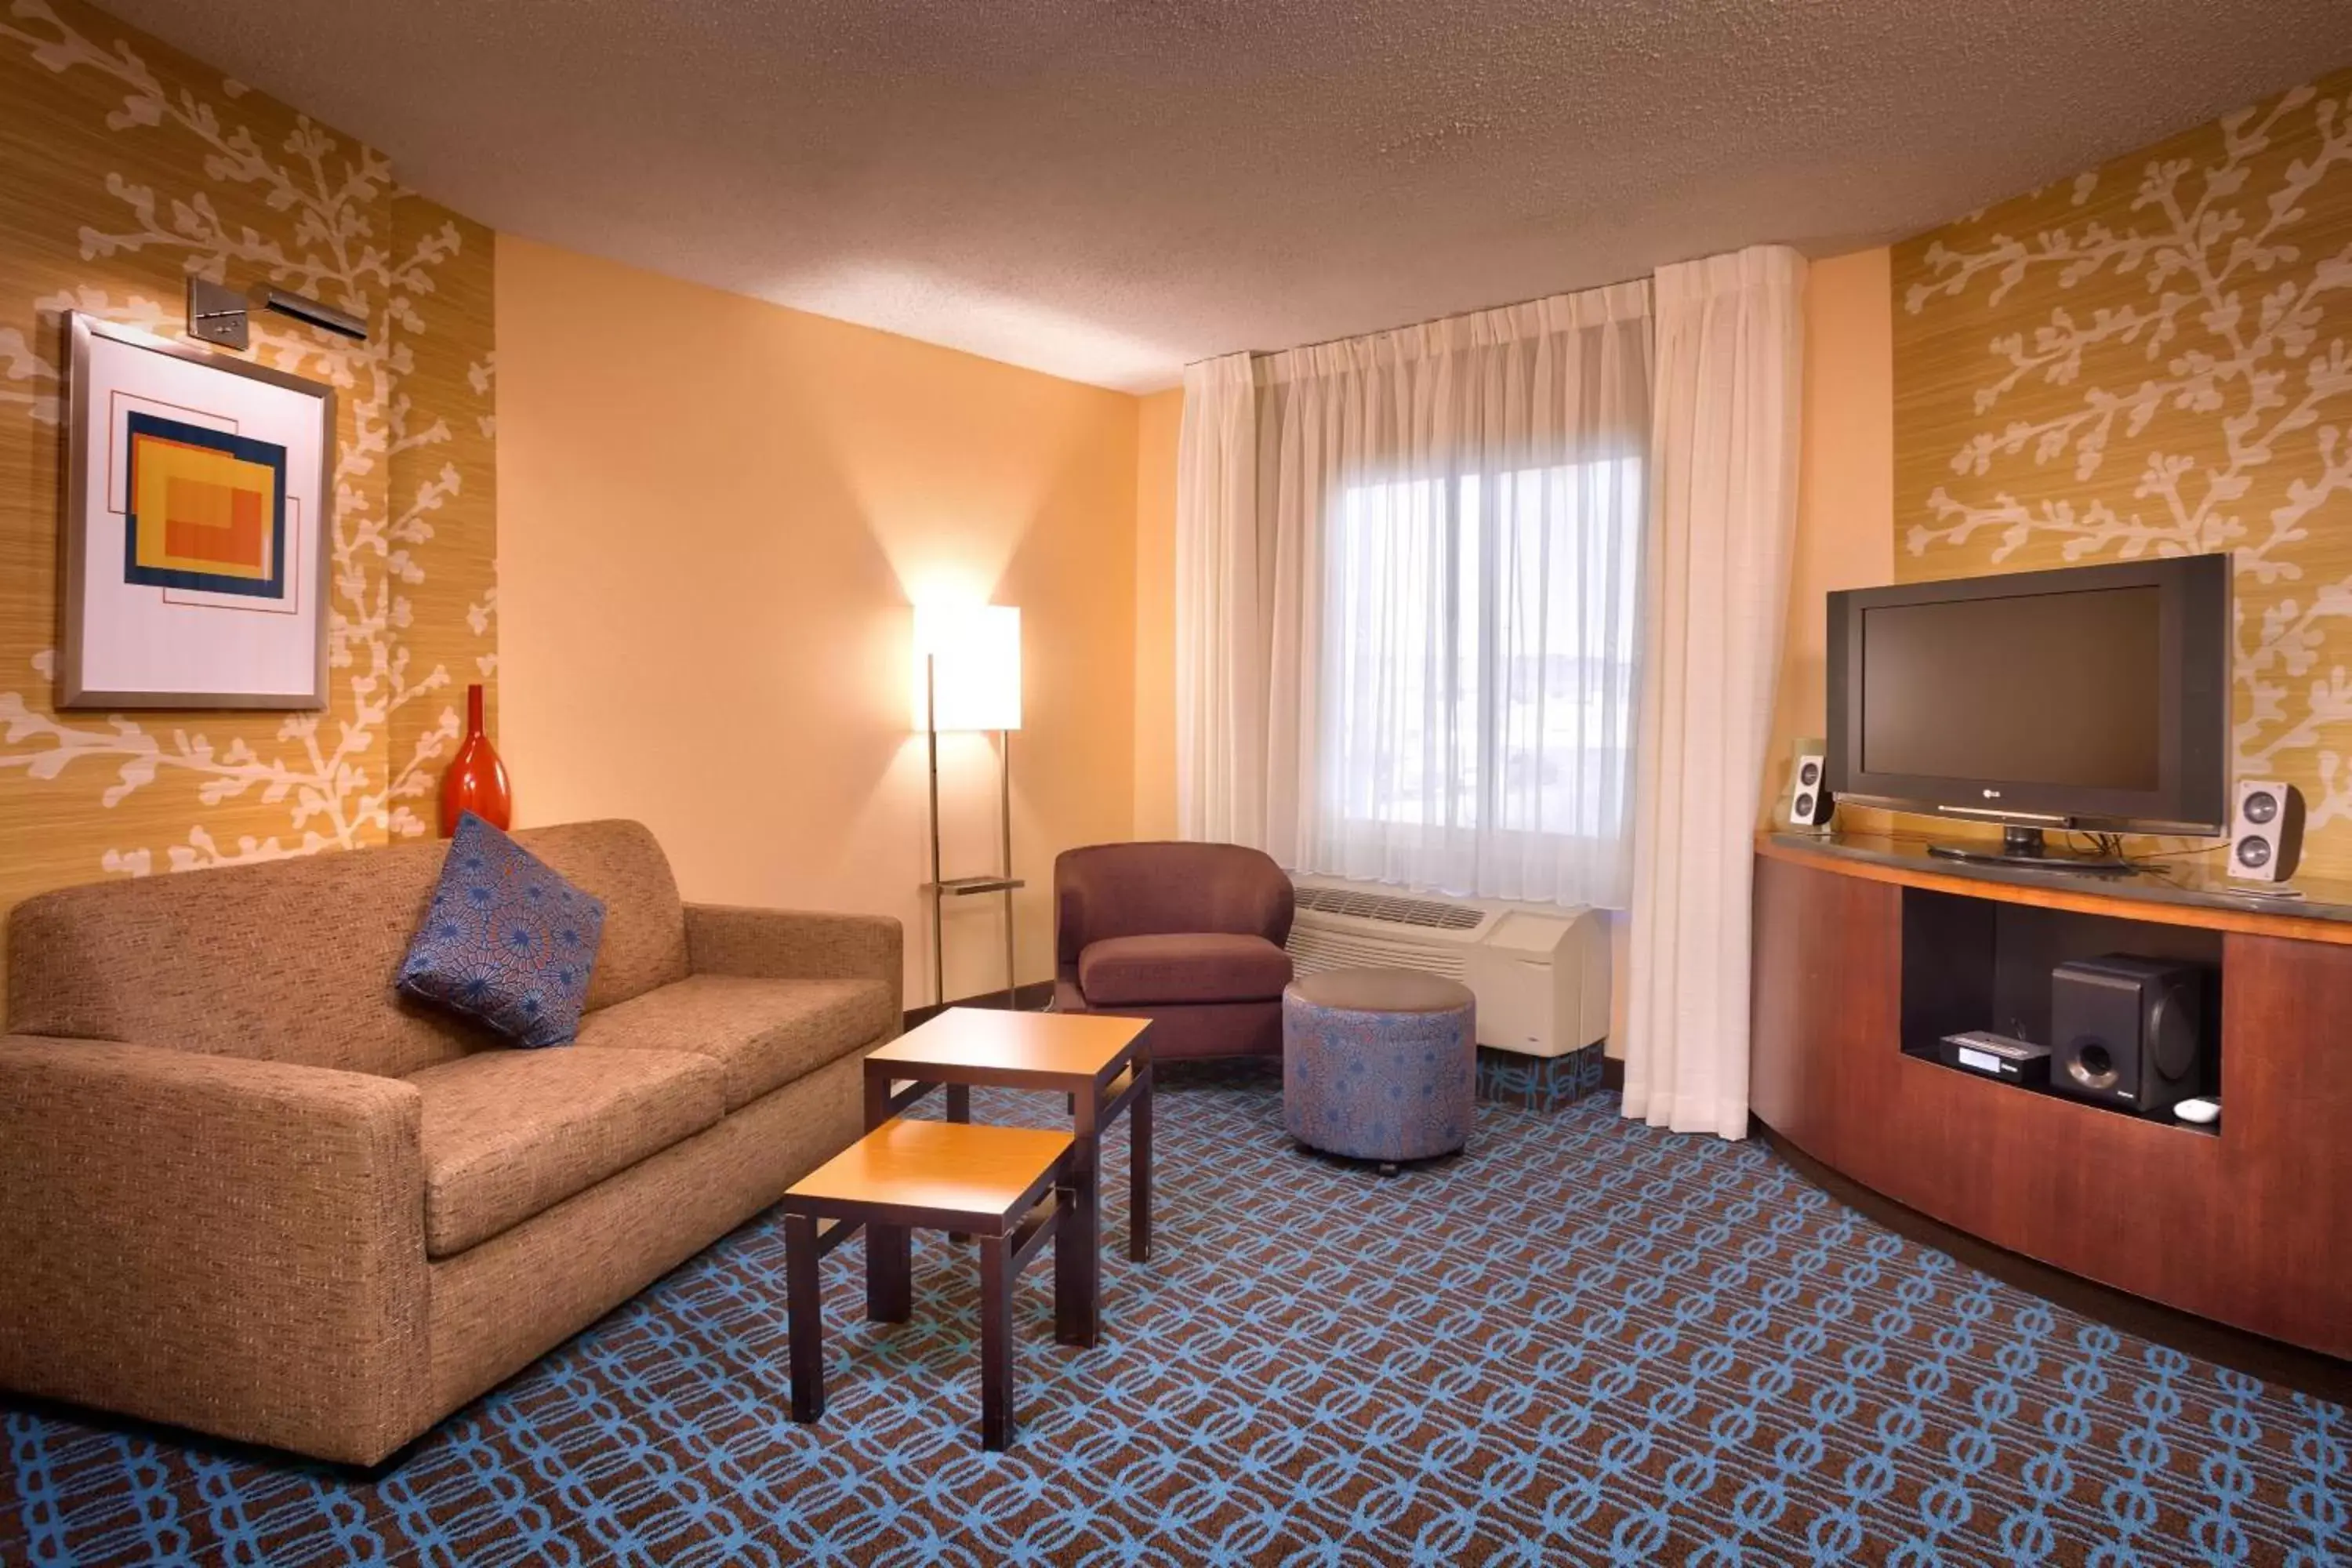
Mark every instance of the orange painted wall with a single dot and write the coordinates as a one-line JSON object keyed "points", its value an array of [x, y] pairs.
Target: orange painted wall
{"points": [[713, 516], [1845, 484], [1160, 416]]}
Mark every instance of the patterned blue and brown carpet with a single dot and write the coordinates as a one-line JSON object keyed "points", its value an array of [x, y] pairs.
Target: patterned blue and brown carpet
{"points": [[1583, 1342]]}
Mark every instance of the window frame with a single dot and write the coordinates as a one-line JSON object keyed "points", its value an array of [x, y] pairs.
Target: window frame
{"points": [[1458, 503]]}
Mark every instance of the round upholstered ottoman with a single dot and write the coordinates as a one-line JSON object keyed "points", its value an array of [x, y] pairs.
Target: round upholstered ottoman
{"points": [[1378, 1064]]}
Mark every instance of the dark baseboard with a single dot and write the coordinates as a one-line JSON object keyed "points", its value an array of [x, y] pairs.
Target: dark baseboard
{"points": [[1612, 1071], [1029, 998], [2288, 1367]]}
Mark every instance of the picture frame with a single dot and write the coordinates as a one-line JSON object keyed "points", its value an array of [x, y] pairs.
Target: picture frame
{"points": [[195, 554]]}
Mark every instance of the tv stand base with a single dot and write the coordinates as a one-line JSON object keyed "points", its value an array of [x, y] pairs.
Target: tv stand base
{"points": [[2027, 847]]}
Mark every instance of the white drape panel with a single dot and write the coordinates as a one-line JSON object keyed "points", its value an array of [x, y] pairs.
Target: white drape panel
{"points": [[1223, 583], [1448, 541], [1723, 465]]}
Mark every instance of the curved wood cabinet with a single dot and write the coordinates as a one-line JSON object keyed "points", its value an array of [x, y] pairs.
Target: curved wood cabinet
{"points": [[2250, 1227]]}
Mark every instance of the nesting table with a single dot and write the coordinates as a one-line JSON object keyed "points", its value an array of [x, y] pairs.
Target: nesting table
{"points": [[1102, 1063], [1011, 1187]]}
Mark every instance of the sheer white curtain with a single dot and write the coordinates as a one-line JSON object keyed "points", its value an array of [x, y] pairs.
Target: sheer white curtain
{"points": [[1224, 588], [1443, 552], [1730, 345]]}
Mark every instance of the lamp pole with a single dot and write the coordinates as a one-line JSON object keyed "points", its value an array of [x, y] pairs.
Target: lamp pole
{"points": [[1004, 810], [939, 893], [941, 886]]}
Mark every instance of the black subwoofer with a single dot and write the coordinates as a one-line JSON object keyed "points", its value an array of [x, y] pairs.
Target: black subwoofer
{"points": [[2128, 1031]]}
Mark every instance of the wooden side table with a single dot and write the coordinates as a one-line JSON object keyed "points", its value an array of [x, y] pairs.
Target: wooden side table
{"points": [[1102, 1063], [1011, 1187]]}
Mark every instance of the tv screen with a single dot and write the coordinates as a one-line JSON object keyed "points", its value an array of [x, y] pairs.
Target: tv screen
{"points": [[2062, 688], [2092, 696]]}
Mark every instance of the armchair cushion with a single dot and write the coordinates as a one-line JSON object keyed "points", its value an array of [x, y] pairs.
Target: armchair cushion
{"points": [[508, 1134], [1186, 967], [762, 1033], [506, 942], [1107, 890]]}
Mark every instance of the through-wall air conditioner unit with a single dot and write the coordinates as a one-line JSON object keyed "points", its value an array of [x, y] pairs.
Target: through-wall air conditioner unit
{"points": [[1540, 974]]}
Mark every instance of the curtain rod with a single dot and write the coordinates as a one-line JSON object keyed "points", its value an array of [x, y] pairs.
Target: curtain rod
{"points": [[1433, 320]]}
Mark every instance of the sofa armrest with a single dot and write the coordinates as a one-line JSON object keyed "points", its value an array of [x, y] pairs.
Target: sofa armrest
{"points": [[797, 944], [216, 1242]]}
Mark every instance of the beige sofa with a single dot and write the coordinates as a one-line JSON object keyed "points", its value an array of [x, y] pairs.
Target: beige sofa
{"points": [[245, 1189]]}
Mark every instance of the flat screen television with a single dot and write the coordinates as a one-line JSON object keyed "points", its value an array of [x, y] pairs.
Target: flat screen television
{"points": [[2091, 697]]}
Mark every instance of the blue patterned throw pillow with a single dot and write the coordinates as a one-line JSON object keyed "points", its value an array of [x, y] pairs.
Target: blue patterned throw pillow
{"points": [[508, 942]]}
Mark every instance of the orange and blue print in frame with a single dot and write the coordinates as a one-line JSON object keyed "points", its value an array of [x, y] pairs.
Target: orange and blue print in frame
{"points": [[207, 510]]}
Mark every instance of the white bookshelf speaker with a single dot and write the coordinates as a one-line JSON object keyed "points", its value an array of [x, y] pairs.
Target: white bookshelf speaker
{"points": [[2265, 831], [1810, 803]]}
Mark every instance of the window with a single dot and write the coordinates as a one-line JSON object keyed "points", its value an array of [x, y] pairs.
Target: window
{"points": [[1480, 641]]}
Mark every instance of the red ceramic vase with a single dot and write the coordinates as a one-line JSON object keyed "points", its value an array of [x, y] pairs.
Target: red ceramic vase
{"points": [[477, 781]]}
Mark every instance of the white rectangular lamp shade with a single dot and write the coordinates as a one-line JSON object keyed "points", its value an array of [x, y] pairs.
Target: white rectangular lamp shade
{"points": [[971, 655]]}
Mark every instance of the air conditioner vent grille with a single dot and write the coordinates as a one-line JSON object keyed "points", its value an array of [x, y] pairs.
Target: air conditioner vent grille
{"points": [[1314, 950], [1428, 913]]}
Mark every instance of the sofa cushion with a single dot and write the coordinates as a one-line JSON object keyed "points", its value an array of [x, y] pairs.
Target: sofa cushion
{"points": [[508, 1134], [294, 960], [645, 920], [1194, 966], [765, 1033], [505, 942]]}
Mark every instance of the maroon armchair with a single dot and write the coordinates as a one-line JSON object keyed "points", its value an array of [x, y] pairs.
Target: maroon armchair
{"points": [[1187, 935]]}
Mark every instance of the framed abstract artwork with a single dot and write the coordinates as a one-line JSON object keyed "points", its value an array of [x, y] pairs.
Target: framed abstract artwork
{"points": [[197, 527]]}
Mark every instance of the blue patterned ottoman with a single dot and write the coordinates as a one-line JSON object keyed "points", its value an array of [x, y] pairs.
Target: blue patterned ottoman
{"points": [[1378, 1064]]}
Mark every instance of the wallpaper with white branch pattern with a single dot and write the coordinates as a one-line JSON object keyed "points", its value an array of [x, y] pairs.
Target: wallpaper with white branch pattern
{"points": [[2155, 357], [124, 167]]}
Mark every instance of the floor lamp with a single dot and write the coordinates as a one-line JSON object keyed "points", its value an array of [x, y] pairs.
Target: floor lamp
{"points": [[968, 677]]}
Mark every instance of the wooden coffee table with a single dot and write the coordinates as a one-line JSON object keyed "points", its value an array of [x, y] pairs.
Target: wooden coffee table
{"points": [[1012, 1186], [1102, 1063]]}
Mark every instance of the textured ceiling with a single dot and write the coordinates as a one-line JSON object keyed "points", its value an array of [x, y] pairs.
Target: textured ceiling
{"points": [[1107, 189]]}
